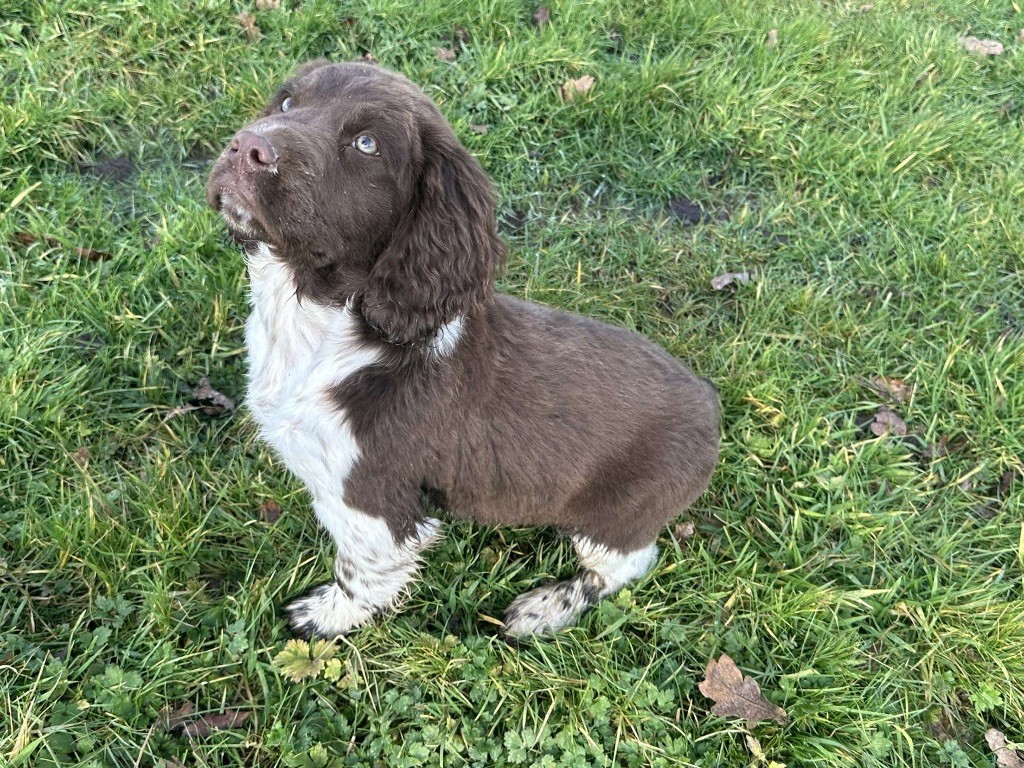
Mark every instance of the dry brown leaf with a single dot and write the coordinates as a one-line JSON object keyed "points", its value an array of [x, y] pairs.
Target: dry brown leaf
{"points": [[178, 410], [445, 54], [684, 531], [367, 58], [91, 255], [721, 281], [735, 695], [210, 401], [887, 421], [27, 238], [897, 390], [1005, 756], [1006, 482], [772, 39], [982, 47], [460, 37], [177, 718], [573, 88], [267, 5], [270, 511], [248, 23], [201, 725], [541, 18], [479, 128], [81, 457], [230, 718]]}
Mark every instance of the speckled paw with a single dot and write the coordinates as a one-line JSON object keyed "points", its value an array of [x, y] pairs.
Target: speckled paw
{"points": [[326, 612]]}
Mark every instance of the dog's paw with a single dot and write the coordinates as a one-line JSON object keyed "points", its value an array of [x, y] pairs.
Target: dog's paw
{"points": [[326, 612], [546, 609]]}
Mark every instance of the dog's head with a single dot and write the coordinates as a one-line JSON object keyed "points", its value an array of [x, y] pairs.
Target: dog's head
{"points": [[358, 183]]}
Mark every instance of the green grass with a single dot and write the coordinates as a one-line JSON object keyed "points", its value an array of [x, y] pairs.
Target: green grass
{"points": [[867, 168]]}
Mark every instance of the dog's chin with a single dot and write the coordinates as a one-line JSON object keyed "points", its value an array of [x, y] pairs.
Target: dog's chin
{"points": [[242, 223]]}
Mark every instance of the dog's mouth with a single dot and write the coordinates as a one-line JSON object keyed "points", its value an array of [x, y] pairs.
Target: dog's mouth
{"points": [[238, 214], [234, 213]]}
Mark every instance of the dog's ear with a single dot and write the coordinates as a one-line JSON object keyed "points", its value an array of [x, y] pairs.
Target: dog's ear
{"points": [[445, 252]]}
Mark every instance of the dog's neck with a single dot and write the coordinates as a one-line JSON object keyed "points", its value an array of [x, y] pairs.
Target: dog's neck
{"points": [[301, 322]]}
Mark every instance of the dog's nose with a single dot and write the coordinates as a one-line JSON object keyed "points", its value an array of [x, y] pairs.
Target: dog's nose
{"points": [[253, 151]]}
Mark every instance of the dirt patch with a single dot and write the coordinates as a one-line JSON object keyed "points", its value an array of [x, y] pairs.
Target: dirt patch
{"points": [[117, 169]]}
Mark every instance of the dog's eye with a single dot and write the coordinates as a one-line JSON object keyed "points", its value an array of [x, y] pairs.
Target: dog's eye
{"points": [[366, 145], [286, 104]]}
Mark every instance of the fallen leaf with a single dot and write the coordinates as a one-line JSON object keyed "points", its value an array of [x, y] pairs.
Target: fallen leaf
{"points": [[756, 751], [267, 5], [367, 58], [735, 695], [445, 54], [721, 281], [684, 531], [176, 718], [248, 22], [81, 457], [1020, 35], [1005, 756], [203, 724], [1005, 482], [177, 411], [773, 38], [270, 511], [573, 88], [887, 421], [91, 254], [982, 47], [210, 401], [27, 238], [895, 390], [686, 210], [460, 37], [541, 18], [299, 660], [481, 129], [941, 725]]}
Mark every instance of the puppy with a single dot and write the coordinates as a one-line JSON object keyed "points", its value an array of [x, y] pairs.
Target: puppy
{"points": [[385, 369]]}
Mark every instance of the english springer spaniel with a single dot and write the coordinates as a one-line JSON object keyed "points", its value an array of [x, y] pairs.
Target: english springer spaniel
{"points": [[384, 368]]}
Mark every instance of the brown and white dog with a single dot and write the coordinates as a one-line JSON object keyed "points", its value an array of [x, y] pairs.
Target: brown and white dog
{"points": [[385, 369]]}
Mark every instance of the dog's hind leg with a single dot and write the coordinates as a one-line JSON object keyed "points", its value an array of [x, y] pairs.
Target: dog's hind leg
{"points": [[604, 571]]}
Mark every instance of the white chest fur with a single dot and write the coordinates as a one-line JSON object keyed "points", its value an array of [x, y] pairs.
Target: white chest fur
{"points": [[297, 353]]}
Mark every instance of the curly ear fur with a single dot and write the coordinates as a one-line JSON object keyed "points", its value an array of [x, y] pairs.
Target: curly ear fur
{"points": [[445, 252]]}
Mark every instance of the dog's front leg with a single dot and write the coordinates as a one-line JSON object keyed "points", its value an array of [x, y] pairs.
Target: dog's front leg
{"points": [[371, 571]]}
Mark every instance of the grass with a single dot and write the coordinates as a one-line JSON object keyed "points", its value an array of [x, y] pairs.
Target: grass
{"points": [[865, 167]]}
